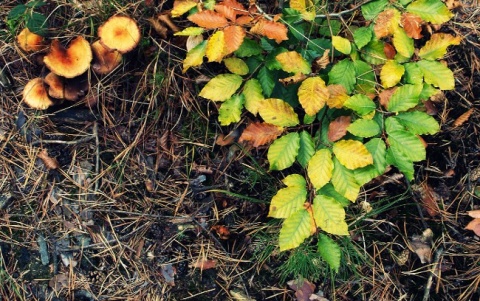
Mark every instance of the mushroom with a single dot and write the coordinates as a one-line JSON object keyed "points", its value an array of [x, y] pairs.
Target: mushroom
{"points": [[62, 88], [35, 95], [119, 33], [105, 60], [69, 62], [29, 41]]}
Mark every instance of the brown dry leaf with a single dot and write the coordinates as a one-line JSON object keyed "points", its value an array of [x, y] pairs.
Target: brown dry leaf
{"points": [[338, 128], [421, 245], [389, 51], [208, 19], [205, 264], [222, 231], [474, 213], [168, 272], [452, 4], [321, 62], [270, 29], [223, 140], [429, 198], [50, 163], [412, 24], [165, 18], [385, 23], [159, 28], [438, 97], [338, 96], [385, 95], [463, 118], [430, 108], [474, 225], [303, 289], [260, 133], [233, 37], [226, 11], [58, 282], [292, 79]]}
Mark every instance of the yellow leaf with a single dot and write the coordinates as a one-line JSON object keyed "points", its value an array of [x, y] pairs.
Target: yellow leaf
{"points": [[312, 95], [190, 31], [293, 62], [278, 112], [320, 168], [215, 47], [352, 154], [338, 96], [437, 46], [221, 87], [306, 7], [181, 7], [290, 199], [253, 95], [391, 74], [341, 44], [195, 56], [329, 215], [236, 65]]}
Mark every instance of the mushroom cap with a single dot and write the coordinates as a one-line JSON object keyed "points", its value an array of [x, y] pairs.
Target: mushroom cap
{"points": [[69, 89], [29, 41], [105, 60], [35, 95], [119, 33], [69, 62]]}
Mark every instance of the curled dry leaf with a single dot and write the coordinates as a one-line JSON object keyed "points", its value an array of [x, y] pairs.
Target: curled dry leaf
{"points": [[474, 225], [429, 198], [50, 163], [421, 245], [303, 289], [463, 118], [222, 231], [321, 62], [474, 213], [168, 272], [294, 79], [338, 128], [58, 282]]}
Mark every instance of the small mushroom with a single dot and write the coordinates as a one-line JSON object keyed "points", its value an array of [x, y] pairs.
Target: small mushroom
{"points": [[35, 94], [119, 33], [29, 41], [62, 88], [69, 62], [104, 59]]}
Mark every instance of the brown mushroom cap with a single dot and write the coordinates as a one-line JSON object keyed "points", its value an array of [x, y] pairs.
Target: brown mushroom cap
{"points": [[35, 95], [105, 60], [29, 41], [69, 62], [119, 33], [62, 88]]}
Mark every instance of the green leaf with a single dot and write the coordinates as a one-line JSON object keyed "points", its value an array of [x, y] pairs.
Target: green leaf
{"points": [[36, 3], [267, 81], [360, 103], [295, 230], [278, 112], [282, 152], [290, 199], [330, 191], [433, 11], [372, 9], [362, 36], [252, 91], [37, 23], [343, 179], [231, 110], [391, 74], [221, 87], [330, 251], [329, 27], [408, 144], [392, 124], [195, 56], [17, 12], [236, 65], [343, 73], [428, 91], [329, 215], [364, 128], [373, 53], [320, 168], [396, 158], [365, 77], [404, 98], [437, 74], [248, 48], [403, 43], [413, 74], [419, 123], [307, 148], [341, 44], [377, 148]]}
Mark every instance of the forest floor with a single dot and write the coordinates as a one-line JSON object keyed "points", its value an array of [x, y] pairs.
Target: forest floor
{"points": [[144, 205]]}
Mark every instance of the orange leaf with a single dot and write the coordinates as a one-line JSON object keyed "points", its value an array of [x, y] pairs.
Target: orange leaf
{"points": [[272, 30], [50, 163], [208, 19], [338, 96], [205, 264], [463, 118], [233, 36], [474, 225], [222, 231], [389, 51], [412, 24], [237, 7], [474, 213], [338, 128], [226, 11], [385, 95], [243, 20], [259, 134], [385, 23]]}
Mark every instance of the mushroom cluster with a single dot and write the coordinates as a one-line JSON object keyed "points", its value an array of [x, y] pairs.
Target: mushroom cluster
{"points": [[68, 65]]}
